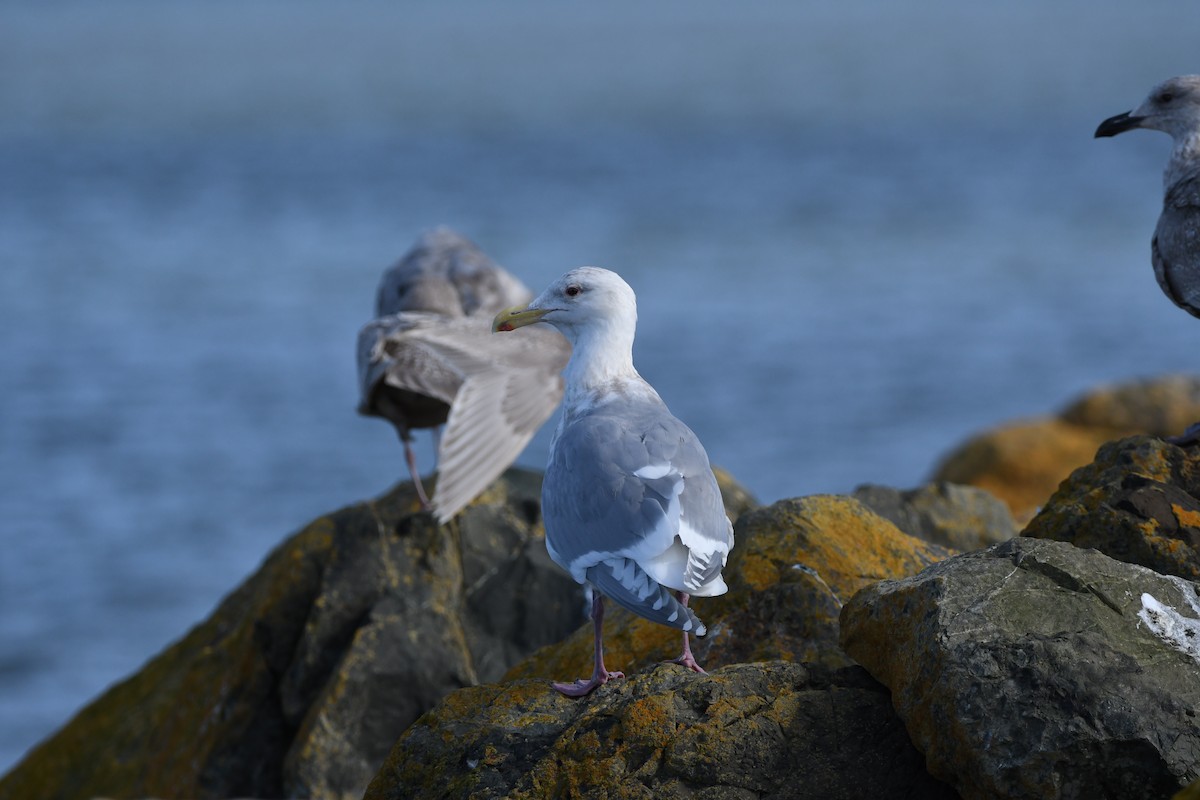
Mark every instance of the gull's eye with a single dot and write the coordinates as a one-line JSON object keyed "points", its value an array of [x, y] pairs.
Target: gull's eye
{"points": [[1164, 98], [573, 291]]}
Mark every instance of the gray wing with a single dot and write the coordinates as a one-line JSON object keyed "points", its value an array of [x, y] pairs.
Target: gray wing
{"points": [[1175, 249], [484, 287], [510, 387], [394, 351], [633, 484], [628, 585]]}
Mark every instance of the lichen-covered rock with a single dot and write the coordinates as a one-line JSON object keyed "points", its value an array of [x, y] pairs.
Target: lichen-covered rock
{"points": [[1036, 669], [1163, 406], [775, 729], [737, 498], [1138, 501], [1022, 463], [956, 517], [794, 564], [303, 677]]}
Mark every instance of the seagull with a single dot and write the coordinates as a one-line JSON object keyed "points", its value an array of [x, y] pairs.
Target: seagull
{"points": [[630, 503], [1173, 107], [442, 256], [429, 359]]}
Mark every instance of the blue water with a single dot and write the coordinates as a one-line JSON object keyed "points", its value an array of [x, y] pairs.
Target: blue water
{"points": [[859, 233]]}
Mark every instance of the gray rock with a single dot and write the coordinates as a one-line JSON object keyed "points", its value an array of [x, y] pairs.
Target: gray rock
{"points": [[403, 619], [302, 679], [950, 514], [300, 682], [1035, 669]]}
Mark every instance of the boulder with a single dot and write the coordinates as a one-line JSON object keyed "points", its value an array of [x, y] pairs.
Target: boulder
{"points": [[773, 729], [794, 564], [1163, 406], [303, 677], [1036, 669], [1023, 462], [1138, 501], [956, 517]]}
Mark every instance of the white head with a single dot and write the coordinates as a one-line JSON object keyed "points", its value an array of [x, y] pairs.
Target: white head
{"points": [[584, 302], [597, 313], [1173, 107]]}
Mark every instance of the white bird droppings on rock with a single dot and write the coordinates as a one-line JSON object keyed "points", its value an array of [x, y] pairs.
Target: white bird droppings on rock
{"points": [[1179, 631]]}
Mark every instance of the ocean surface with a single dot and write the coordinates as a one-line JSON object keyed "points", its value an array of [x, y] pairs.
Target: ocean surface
{"points": [[859, 233]]}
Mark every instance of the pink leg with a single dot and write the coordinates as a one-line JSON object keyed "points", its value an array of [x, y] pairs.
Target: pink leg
{"points": [[600, 675], [411, 458], [687, 659]]}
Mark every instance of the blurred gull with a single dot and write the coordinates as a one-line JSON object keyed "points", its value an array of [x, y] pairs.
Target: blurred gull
{"points": [[630, 502], [430, 359], [1173, 107]]}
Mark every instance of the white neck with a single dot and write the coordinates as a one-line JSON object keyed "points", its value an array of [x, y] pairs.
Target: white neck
{"points": [[600, 354]]}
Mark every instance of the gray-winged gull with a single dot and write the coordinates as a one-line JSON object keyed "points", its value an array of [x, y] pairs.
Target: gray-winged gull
{"points": [[630, 502], [1173, 107], [481, 286], [429, 359]]}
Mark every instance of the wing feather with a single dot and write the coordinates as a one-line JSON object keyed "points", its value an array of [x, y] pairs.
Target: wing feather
{"points": [[394, 351], [511, 386], [626, 584], [1175, 249], [628, 480]]}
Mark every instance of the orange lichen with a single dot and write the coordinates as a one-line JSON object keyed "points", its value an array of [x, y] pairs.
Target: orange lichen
{"points": [[1186, 517], [650, 720], [1023, 463]]}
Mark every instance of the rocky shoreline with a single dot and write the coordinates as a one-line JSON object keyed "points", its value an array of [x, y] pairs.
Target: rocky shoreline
{"points": [[890, 643]]}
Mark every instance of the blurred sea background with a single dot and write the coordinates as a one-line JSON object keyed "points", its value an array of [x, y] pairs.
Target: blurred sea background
{"points": [[859, 232]]}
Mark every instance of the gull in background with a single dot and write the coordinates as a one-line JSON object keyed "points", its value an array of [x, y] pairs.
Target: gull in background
{"points": [[429, 359], [1173, 107]]}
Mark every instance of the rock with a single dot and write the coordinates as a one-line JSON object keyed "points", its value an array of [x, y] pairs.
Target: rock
{"points": [[956, 517], [793, 565], [1022, 463], [737, 498], [303, 678], [1192, 792], [1036, 669], [1138, 502], [1163, 406], [746, 731]]}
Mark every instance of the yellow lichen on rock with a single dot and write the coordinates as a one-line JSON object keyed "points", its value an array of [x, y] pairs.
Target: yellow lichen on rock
{"points": [[1189, 518], [1138, 501], [1023, 462], [746, 730], [793, 565], [844, 543]]}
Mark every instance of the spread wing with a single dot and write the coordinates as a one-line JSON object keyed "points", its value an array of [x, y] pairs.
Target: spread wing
{"points": [[631, 505], [510, 387], [394, 351]]}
